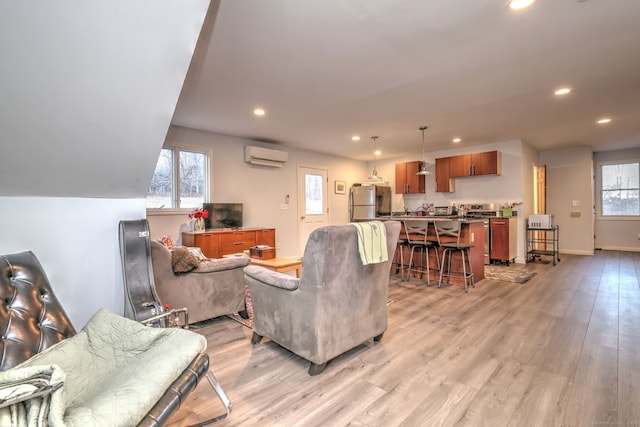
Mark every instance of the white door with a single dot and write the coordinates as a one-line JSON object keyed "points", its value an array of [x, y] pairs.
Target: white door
{"points": [[312, 206]]}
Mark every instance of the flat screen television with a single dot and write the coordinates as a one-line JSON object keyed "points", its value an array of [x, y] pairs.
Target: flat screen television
{"points": [[223, 215]]}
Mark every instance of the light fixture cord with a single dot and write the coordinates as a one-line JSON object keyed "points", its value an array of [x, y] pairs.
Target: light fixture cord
{"points": [[375, 163], [423, 128]]}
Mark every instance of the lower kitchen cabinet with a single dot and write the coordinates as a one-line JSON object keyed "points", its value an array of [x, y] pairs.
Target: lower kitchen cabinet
{"points": [[504, 239]]}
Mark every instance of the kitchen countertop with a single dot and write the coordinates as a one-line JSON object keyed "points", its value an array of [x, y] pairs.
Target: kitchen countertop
{"points": [[428, 218]]}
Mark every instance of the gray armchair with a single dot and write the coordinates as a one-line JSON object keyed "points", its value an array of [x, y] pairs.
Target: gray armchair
{"points": [[214, 289], [337, 304]]}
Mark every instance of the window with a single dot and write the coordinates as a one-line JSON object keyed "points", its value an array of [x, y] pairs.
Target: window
{"points": [[181, 179], [620, 189], [314, 192]]}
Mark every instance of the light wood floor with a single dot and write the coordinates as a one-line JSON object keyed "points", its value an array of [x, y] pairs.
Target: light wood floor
{"points": [[561, 350]]}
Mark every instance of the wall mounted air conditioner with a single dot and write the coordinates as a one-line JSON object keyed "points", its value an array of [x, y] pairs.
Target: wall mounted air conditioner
{"points": [[265, 156]]}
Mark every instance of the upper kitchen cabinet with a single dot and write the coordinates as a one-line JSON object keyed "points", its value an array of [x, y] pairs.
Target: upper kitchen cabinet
{"points": [[444, 183], [487, 163], [407, 182]]}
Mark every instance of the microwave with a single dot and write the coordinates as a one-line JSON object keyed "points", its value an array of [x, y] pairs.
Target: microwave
{"points": [[543, 222], [444, 211]]}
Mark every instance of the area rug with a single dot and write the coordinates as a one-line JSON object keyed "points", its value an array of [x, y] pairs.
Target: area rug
{"points": [[235, 316], [507, 274]]}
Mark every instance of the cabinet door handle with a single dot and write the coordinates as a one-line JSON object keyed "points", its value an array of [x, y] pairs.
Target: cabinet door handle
{"points": [[238, 243]]}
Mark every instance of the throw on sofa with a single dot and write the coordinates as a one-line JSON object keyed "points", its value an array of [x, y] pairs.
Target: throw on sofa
{"points": [[336, 305], [213, 289]]}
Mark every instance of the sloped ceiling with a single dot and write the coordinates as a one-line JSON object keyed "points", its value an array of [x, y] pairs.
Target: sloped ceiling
{"points": [[87, 92]]}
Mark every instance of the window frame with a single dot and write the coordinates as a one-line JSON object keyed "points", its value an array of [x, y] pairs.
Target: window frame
{"points": [[600, 215], [177, 148]]}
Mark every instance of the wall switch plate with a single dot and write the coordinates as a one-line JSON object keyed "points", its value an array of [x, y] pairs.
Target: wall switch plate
{"points": [[283, 206]]}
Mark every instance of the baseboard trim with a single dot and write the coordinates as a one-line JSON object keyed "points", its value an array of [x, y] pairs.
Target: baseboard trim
{"points": [[619, 248], [570, 252]]}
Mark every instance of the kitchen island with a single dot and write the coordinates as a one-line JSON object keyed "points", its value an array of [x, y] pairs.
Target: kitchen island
{"points": [[472, 232]]}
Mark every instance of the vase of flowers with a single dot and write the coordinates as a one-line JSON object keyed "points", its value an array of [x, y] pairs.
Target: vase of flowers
{"points": [[198, 215]]}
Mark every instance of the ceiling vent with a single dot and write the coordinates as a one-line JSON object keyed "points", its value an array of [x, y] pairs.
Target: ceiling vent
{"points": [[265, 156]]}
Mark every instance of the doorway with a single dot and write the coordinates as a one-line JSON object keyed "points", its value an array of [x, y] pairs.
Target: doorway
{"points": [[540, 202], [312, 206], [540, 190]]}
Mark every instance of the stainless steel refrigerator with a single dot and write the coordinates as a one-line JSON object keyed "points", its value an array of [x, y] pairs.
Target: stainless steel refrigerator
{"points": [[369, 201]]}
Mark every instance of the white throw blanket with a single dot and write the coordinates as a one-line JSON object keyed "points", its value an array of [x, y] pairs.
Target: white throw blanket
{"points": [[32, 396], [116, 369], [372, 241]]}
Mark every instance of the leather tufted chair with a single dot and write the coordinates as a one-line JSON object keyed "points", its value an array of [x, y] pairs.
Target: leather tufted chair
{"points": [[32, 320], [31, 317]]}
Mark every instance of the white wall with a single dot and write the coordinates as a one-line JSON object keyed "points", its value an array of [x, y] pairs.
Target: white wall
{"points": [[570, 178], [76, 241], [616, 234], [88, 92], [262, 190]]}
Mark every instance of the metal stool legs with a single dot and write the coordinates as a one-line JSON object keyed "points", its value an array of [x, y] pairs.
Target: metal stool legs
{"points": [[466, 262], [424, 255], [400, 266]]}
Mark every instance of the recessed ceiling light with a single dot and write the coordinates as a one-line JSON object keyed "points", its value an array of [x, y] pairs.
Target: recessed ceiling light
{"points": [[355, 138], [520, 4], [377, 152], [456, 140], [604, 120], [562, 91], [259, 112]]}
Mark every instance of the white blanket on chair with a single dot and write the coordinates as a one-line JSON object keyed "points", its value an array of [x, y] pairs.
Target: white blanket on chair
{"points": [[372, 241], [116, 369]]}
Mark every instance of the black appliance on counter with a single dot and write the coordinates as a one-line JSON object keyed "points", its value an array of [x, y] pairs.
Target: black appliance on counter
{"points": [[445, 211]]}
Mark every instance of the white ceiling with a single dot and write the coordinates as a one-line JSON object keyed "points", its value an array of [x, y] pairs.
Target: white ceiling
{"points": [[327, 70]]}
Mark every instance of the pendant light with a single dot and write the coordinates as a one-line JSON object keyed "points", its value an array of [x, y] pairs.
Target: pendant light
{"points": [[374, 176], [423, 168]]}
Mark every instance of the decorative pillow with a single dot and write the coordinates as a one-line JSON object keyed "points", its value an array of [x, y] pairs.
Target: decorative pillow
{"points": [[182, 260], [197, 252], [166, 240]]}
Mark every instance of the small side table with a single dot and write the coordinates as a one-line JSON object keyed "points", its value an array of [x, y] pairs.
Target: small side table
{"points": [[539, 243], [281, 265]]}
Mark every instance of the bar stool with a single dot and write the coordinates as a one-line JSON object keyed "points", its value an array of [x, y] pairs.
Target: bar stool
{"points": [[398, 262], [416, 237], [453, 229]]}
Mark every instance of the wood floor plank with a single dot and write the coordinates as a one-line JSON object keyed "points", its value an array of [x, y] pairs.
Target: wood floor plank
{"points": [[543, 403], [593, 399], [629, 381], [497, 401]]}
